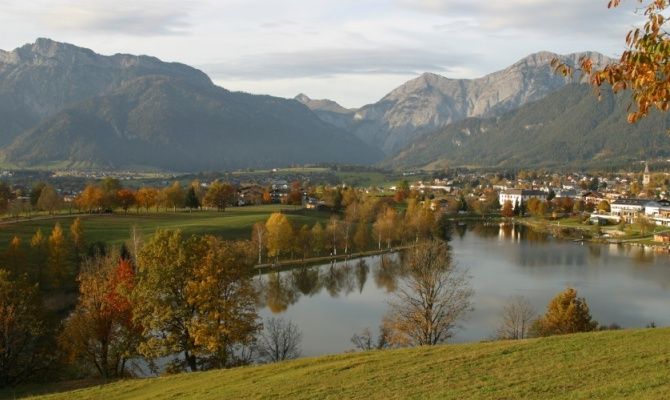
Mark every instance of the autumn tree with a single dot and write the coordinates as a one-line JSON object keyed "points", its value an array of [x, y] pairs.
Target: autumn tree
{"points": [[6, 196], [100, 333], [279, 235], [366, 341], [224, 301], [26, 349], [645, 224], [77, 237], [38, 253], [334, 234], [146, 197], [161, 306], [566, 313], [294, 196], [220, 195], [433, 297], [59, 257], [604, 206], [258, 239], [14, 258], [385, 227], [303, 241], [279, 340], [91, 198], [419, 220], [507, 210], [49, 200], [318, 239], [174, 196], [516, 319], [643, 67], [126, 198], [361, 238]]}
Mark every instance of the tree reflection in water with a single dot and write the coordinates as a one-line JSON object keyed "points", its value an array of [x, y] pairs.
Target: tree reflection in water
{"points": [[280, 289]]}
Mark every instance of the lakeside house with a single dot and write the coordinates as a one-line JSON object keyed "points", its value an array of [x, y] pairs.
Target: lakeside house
{"points": [[628, 209], [519, 196]]}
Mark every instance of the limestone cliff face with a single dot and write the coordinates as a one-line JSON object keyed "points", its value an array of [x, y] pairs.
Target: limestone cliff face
{"points": [[432, 101]]}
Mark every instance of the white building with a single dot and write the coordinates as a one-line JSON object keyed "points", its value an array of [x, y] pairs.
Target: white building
{"points": [[518, 196], [628, 209]]}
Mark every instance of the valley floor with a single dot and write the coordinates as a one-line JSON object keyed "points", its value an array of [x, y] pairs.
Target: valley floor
{"points": [[601, 365]]}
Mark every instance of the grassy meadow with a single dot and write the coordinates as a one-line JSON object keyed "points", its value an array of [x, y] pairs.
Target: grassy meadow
{"points": [[234, 223], [630, 364]]}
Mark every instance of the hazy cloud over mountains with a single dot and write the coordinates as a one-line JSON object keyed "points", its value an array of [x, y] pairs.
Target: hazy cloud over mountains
{"points": [[329, 62]]}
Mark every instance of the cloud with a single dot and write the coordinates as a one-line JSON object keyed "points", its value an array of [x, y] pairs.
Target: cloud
{"points": [[333, 62], [567, 17], [122, 17]]}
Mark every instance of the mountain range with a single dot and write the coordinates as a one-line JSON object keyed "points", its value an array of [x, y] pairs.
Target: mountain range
{"points": [[431, 101], [66, 106], [568, 128]]}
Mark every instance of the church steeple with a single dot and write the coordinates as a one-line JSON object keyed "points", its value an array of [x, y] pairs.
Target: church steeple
{"points": [[646, 177]]}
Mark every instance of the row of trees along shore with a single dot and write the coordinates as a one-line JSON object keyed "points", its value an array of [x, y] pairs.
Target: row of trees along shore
{"points": [[367, 223]]}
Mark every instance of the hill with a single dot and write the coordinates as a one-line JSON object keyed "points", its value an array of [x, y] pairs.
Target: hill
{"points": [[600, 365], [568, 128], [65, 106], [432, 101]]}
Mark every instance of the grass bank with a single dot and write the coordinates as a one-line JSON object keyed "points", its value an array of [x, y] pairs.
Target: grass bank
{"points": [[602, 365]]}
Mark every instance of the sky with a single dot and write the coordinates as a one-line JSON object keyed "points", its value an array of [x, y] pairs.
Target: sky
{"points": [[350, 51]]}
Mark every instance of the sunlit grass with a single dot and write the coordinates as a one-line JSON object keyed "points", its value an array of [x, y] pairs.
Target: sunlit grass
{"points": [[602, 365]]}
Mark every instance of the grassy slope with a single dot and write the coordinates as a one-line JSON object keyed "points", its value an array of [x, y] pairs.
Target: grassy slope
{"points": [[602, 365], [234, 223]]}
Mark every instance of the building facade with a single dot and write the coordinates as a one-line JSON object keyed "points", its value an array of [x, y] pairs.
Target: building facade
{"points": [[519, 196]]}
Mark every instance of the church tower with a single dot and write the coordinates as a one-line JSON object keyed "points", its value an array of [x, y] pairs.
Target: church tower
{"points": [[646, 177]]}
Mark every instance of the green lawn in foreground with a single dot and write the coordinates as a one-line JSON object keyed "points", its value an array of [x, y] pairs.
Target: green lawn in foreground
{"points": [[233, 223], [630, 364]]}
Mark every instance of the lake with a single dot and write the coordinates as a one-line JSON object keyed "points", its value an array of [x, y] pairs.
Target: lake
{"points": [[331, 302]]}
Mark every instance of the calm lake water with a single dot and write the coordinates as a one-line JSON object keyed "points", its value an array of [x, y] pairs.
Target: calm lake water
{"points": [[626, 285]]}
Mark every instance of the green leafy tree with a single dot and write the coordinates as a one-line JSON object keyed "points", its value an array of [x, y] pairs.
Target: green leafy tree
{"points": [[36, 192], [110, 188], [192, 202]]}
